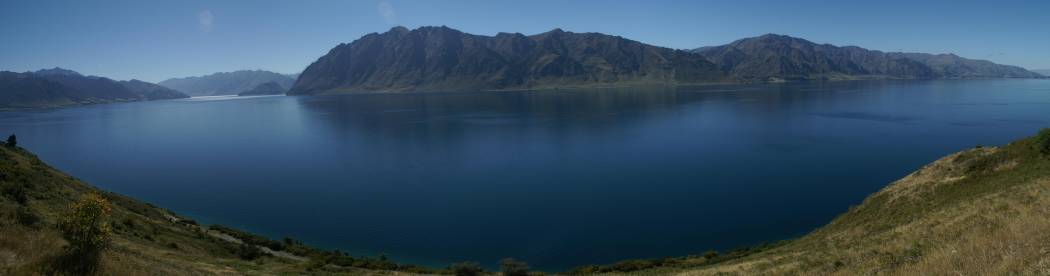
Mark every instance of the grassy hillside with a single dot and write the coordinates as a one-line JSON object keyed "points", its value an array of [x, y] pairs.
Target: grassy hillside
{"points": [[983, 211], [144, 239]]}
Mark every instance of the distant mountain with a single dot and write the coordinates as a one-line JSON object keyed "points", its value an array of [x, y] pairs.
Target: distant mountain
{"points": [[1044, 72], [774, 57], [268, 88], [57, 72], [152, 91], [440, 58], [226, 83], [61, 87], [293, 77]]}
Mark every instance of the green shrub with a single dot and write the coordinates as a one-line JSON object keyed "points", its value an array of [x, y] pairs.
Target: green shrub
{"points": [[250, 238], [315, 263], [1042, 141], [86, 230], [128, 223], [85, 226], [12, 141], [710, 254], [16, 192], [26, 217], [248, 252], [467, 269], [512, 267]]}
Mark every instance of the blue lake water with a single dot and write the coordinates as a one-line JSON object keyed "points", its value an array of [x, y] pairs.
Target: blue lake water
{"points": [[554, 178]]}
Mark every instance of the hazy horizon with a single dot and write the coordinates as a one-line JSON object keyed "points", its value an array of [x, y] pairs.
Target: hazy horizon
{"points": [[156, 41]]}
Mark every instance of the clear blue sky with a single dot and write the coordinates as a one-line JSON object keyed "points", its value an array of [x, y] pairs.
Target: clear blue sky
{"points": [[156, 40]]}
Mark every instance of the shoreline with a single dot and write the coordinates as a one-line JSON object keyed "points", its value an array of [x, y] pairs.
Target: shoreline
{"points": [[357, 91]]}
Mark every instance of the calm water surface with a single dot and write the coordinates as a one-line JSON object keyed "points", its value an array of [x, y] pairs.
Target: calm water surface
{"points": [[556, 178]]}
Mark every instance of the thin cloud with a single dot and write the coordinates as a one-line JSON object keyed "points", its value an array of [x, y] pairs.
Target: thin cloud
{"points": [[206, 20], [386, 10]]}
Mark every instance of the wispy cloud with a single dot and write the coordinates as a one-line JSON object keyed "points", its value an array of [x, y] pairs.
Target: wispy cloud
{"points": [[386, 10], [206, 20]]}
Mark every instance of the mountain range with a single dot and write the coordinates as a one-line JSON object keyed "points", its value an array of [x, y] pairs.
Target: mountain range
{"points": [[227, 83], [779, 57], [1044, 72], [441, 58], [61, 87]]}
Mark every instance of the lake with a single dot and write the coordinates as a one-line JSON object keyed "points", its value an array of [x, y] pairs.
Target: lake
{"points": [[554, 178]]}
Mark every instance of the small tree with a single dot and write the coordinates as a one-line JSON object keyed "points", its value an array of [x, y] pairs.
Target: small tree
{"points": [[86, 230], [12, 141], [512, 267], [1042, 141], [710, 254], [467, 269], [249, 252]]}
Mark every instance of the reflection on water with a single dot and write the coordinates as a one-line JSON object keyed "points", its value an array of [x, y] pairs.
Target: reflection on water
{"points": [[555, 178]]}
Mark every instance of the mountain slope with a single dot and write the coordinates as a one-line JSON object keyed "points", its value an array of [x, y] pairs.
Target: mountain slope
{"points": [[779, 57], [440, 58], [268, 88], [26, 90], [226, 83], [1044, 72], [983, 211], [151, 91], [60, 87]]}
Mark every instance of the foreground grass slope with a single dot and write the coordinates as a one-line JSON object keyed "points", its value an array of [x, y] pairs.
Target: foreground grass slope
{"points": [[982, 211], [144, 240]]}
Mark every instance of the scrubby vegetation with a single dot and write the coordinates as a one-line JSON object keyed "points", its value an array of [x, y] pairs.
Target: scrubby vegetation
{"points": [[87, 231], [512, 267], [1042, 141], [708, 258], [467, 269], [319, 259]]}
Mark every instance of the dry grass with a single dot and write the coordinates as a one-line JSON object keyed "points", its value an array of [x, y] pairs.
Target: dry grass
{"points": [[978, 212]]}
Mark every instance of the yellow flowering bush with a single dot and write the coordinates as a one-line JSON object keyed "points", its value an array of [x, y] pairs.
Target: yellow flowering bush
{"points": [[85, 226]]}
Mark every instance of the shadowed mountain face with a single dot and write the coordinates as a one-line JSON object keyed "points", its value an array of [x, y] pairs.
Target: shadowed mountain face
{"points": [[152, 91], [777, 57], [268, 88], [438, 58], [226, 83], [61, 87]]}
